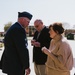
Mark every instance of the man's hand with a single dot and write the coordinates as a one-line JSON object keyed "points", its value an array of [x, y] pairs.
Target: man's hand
{"points": [[27, 71], [37, 44], [33, 42]]}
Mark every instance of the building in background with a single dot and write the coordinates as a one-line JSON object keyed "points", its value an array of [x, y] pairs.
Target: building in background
{"points": [[31, 30], [71, 36]]}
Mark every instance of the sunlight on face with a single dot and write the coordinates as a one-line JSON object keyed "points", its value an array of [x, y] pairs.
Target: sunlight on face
{"points": [[38, 25], [26, 22], [52, 33]]}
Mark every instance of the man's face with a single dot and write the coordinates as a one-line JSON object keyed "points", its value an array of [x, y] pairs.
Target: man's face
{"points": [[26, 22], [38, 25]]}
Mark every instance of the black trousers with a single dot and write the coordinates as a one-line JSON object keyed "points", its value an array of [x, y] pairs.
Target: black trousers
{"points": [[12, 74], [20, 73], [16, 74]]}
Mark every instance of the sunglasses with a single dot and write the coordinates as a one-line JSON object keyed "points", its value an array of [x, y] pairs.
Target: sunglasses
{"points": [[36, 26]]}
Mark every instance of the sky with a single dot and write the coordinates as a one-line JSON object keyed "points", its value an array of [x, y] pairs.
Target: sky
{"points": [[49, 11]]}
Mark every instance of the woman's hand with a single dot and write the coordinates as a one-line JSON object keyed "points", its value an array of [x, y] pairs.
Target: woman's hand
{"points": [[45, 50]]}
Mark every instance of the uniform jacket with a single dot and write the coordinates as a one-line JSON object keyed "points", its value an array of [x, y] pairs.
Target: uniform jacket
{"points": [[44, 38], [15, 58]]}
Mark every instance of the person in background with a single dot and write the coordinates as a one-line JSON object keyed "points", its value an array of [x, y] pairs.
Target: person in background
{"points": [[60, 57], [41, 38], [15, 58]]}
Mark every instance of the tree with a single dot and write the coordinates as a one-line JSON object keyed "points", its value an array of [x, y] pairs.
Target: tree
{"points": [[7, 26]]}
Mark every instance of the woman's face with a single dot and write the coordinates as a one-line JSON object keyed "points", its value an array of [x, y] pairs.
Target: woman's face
{"points": [[52, 32]]}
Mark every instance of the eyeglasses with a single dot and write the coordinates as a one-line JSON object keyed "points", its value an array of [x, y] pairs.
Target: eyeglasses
{"points": [[36, 26], [27, 20]]}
